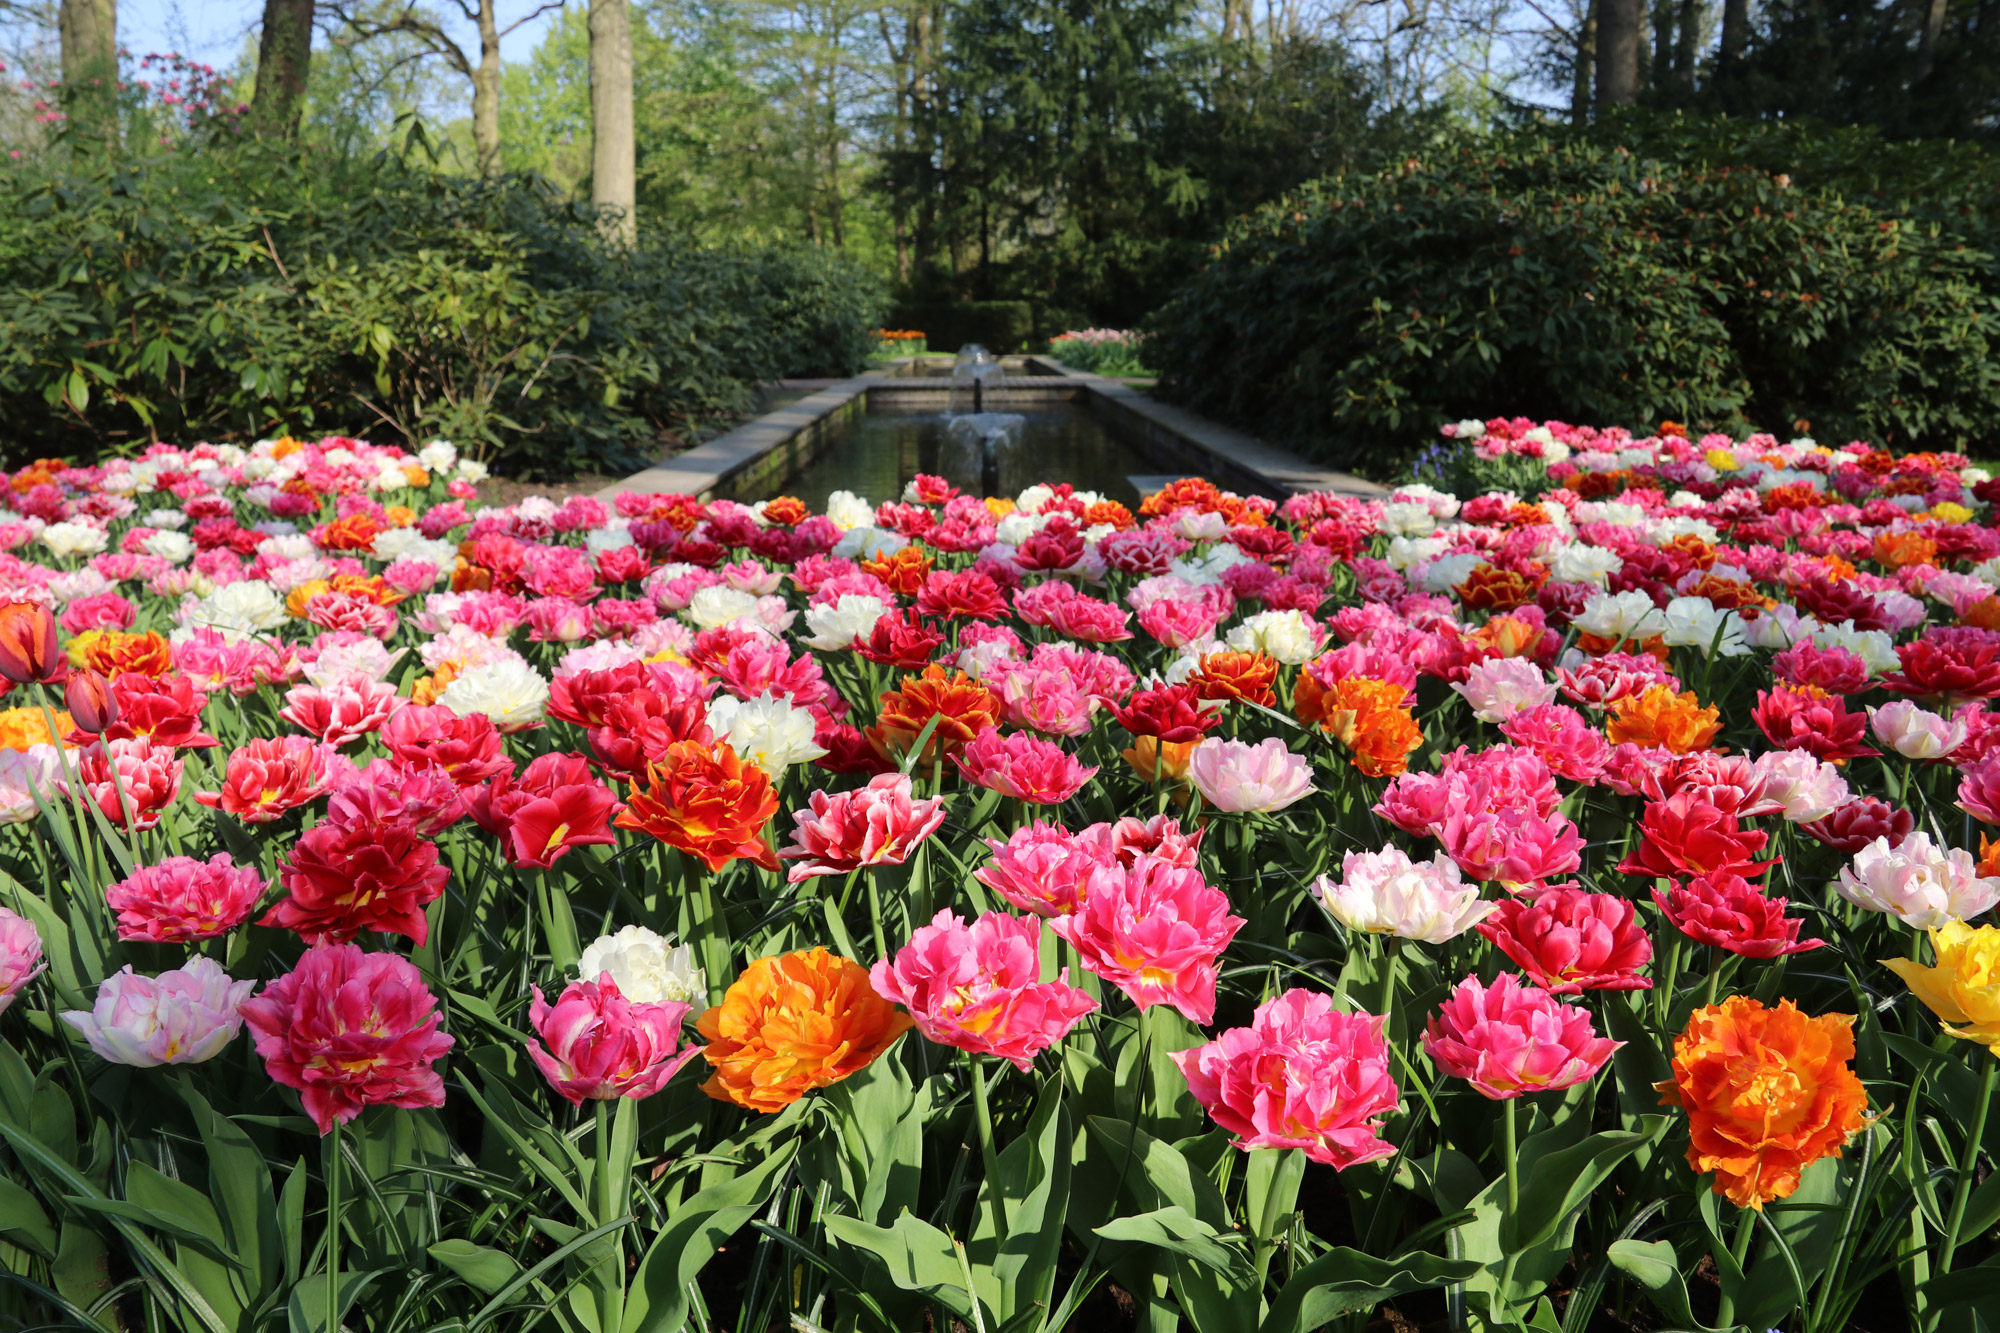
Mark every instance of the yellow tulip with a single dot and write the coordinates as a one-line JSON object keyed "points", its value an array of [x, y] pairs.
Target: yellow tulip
{"points": [[1964, 988]]}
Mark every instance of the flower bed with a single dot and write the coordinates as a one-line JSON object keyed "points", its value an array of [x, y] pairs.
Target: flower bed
{"points": [[1490, 905]]}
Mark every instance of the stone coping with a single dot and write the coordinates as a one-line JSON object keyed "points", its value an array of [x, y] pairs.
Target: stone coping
{"points": [[764, 450]]}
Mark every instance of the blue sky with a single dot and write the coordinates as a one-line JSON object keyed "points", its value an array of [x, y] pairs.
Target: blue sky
{"points": [[214, 31]]}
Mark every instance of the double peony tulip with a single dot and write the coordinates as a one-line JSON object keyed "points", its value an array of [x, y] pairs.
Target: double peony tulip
{"points": [[181, 1017], [1248, 779], [1154, 930], [1386, 893], [597, 1045], [977, 987], [349, 1030], [20, 956], [1302, 1075], [1508, 1040], [1767, 1091], [792, 1023], [879, 824], [1963, 987]]}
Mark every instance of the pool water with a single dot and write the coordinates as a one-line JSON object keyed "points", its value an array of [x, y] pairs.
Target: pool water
{"points": [[889, 446]]}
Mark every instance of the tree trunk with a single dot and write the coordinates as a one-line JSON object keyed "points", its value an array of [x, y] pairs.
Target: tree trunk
{"points": [[1735, 32], [284, 56], [1927, 40], [613, 156], [486, 92], [1617, 52], [1661, 70], [1687, 43], [1586, 57], [89, 35]]}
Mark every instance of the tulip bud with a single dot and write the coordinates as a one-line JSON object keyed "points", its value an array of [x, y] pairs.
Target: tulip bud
{"points": [[29, 649], [91, 701]]}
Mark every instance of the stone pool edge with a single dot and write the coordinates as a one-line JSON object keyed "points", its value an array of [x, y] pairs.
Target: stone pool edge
{"points": [[775, 445]]}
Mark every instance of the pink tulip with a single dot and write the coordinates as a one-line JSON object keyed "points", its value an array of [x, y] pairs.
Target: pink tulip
{"points": [[180, 899], [975, 987], [469, 748], [350, 1029], [601, 1046], [344, 711], [1024, 767], [177, 1018], [879, 824], [1302, 1075], [20, 956], [148, 780], [1508, 1039], [1248, 779], [1500, 687], [1518, 848], [265, 778], [1979, 790], [1569, 941], [1570, 746], [1156, 932], [1042, 868], [1042, 697], [1176, 623], [1915, 733]]}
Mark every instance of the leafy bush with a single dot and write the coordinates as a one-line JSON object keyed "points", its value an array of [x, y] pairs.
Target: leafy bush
{"points": [[1560, 278], [244, 291]]}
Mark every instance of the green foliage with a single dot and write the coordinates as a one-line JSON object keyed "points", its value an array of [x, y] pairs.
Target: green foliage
{"points": [[1079, 154], [1559, 278], [998, 326], [246, 290]]}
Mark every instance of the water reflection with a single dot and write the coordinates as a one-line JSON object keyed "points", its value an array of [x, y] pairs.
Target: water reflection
{"points": [[888, 447]]}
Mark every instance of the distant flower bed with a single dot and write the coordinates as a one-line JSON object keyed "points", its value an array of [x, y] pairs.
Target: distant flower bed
{"points": [[1101, 351], [900, 342], [655, 913]]}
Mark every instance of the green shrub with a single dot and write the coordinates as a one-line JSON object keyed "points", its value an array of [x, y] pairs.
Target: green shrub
{"points": [[998, 326], [243, 291], [1558, 278]]}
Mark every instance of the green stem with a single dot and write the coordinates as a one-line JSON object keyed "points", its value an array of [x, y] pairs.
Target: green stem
{"points": [[609, 1314], [984, 1113], [1509, 1155], [1392, 956], [1714, 973], [875, 919], [1967, 1161], [1739, 1250], [333, 1202]]}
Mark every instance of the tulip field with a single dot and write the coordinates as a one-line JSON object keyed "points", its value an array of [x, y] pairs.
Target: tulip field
{"points": [[1555, 908]]}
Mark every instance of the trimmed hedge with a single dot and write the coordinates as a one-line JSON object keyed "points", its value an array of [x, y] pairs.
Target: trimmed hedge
{"points": [[243, 291], [1555, 277]]}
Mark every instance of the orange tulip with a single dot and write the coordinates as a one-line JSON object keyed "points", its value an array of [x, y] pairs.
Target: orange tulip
{"points": [[23, 727], [708, 803], [1154, 762], [114, 653], [1767, 1092], [962, 706], [793, 1023], [28, 643], [1236, 675], [1367, 716], [901, 570], [1658, 717]]}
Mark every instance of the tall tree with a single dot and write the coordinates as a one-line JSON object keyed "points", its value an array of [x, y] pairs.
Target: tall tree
{"points": [[613, 152], [1584, 66], [89, 34], [1687, 46], [284, 55], [360, 21], [1617, 52], [1735, 35]]}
